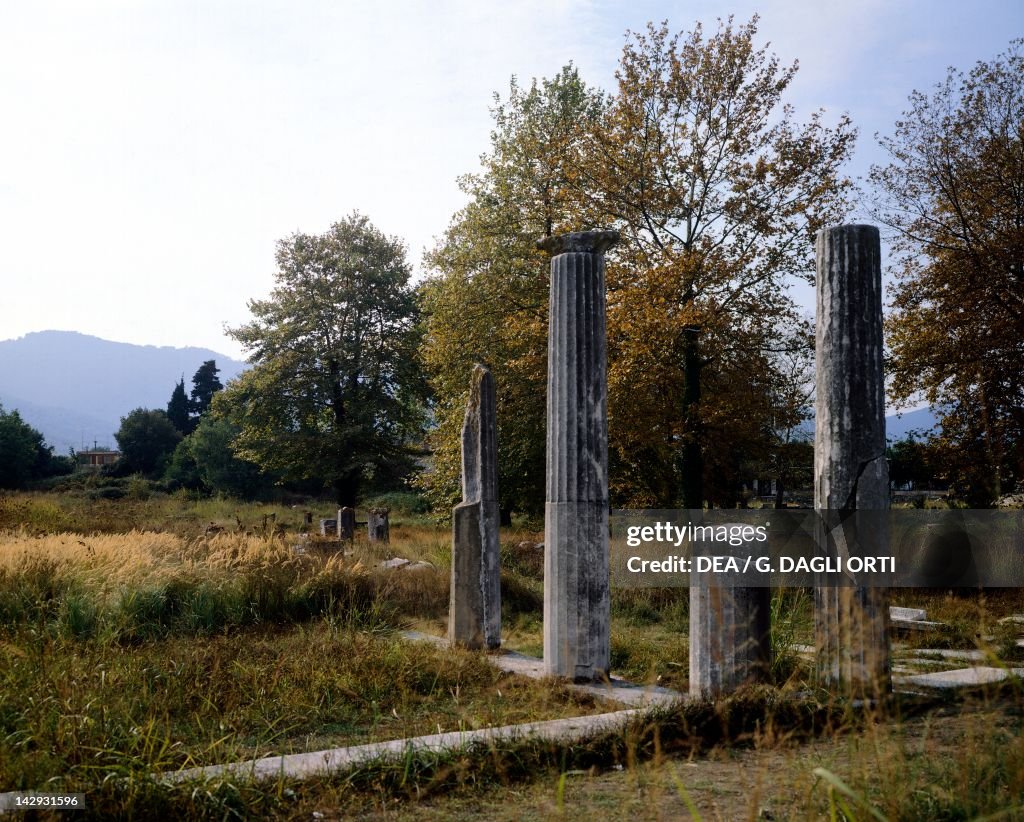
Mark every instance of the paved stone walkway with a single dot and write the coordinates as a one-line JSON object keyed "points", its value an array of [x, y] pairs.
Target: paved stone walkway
{"points": [[298, 766], [618, 689]]}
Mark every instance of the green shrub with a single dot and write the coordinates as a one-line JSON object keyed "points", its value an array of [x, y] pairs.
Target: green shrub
{"points": [[400, 502], [138, 488], [109, 492]]}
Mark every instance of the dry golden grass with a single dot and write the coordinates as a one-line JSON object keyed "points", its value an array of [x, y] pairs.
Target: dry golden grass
{"points": [[143, 559]]}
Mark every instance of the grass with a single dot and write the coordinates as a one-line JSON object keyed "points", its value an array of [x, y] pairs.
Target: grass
{"points": [[971, 618], [965, 765], [141, 586], [426, 775], [72, 709], [148, 651], [83, 511], [757, 755], [132, 642]]}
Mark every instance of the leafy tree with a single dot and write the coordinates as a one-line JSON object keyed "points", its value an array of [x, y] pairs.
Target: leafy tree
{"points": [[177, 409], [24, 456], [335, 392], [205, 384], [146, 438], [909, 463], [205, 461], [181, 470], [218, 467], [953, 194], [486, 299], [717, 192]]}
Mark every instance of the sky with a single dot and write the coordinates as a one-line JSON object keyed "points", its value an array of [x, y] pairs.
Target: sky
{"points": [[155, 152]]}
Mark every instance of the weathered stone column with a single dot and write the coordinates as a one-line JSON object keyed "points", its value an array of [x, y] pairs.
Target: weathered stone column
{"points": [[378, 529], [850, 471], [474, 614], [346, 523], [730, 631], [577, 607]]}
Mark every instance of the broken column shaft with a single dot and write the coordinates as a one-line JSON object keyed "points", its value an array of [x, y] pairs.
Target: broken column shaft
{"points": [[474, 619], [577, 606], [730, 631], [850, 471]]}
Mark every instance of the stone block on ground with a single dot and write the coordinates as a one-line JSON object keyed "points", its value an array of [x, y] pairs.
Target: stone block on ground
{"points": [[912, 625], [346, 523], [907, 613], [400, 563], [950, 653]]}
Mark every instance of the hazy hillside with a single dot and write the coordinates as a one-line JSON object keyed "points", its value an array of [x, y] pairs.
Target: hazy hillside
{"points": [[919, 421], [75, 388]]}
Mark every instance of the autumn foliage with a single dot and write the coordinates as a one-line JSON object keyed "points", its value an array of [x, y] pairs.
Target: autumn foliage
{"points": [[954, 194], [717, 192]]}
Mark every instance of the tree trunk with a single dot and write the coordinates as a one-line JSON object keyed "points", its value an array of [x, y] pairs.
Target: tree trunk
{"points": [[346, 489], [779, 493], [692, 457], [992, 457]]}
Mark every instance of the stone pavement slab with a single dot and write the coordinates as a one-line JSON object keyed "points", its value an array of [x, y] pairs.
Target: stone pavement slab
{"points": [[298, 766], [960, 678], [916, 624], [948, 653], [618, 689], [912, 614]]}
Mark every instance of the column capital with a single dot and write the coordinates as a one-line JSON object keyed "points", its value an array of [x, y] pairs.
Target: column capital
{"points": [[587, 242]]}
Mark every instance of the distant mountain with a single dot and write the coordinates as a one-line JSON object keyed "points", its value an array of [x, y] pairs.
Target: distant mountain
{"points": [[74, 388], [63, 428], [897, 426]]}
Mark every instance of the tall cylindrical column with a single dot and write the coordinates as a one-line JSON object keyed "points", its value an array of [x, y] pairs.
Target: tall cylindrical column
{"points": [[850, 471], [577, 606]]}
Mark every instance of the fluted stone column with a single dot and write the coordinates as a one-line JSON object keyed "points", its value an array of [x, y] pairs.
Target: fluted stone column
{"points": [[474, 617], [850, 471], [730, 630], [577, 607]]}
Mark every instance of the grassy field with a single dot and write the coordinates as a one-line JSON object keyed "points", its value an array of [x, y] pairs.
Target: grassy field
{"points": [[135, 638], [961, 763]]}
